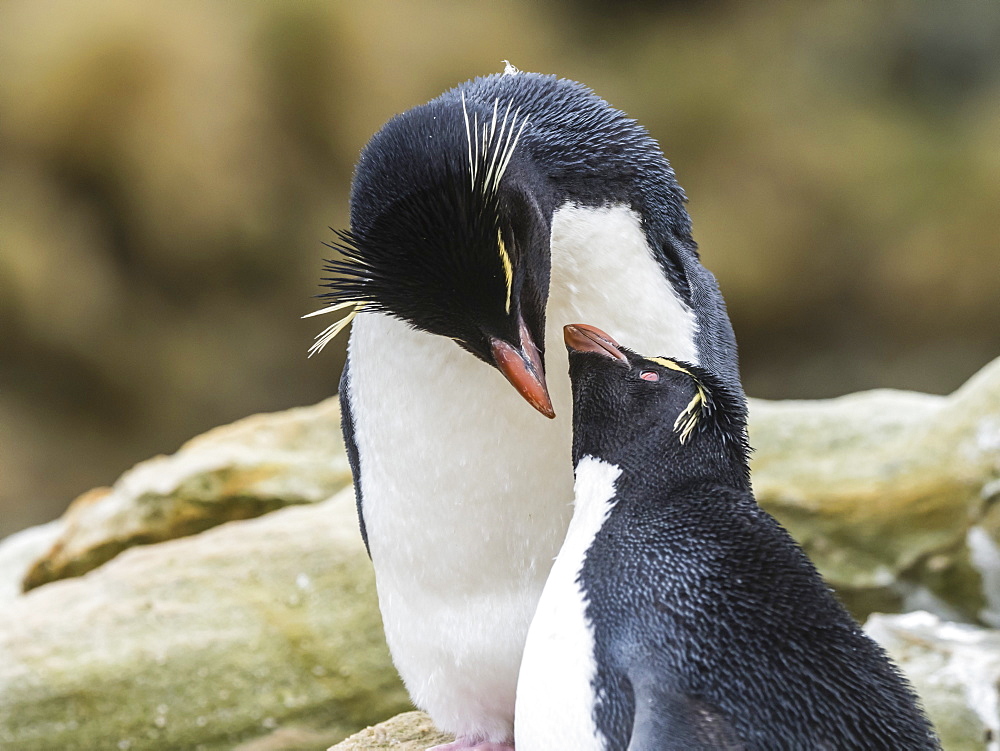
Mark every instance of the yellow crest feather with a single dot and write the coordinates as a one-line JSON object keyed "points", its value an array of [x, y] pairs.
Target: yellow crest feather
{"points": [[689, 416], [330, 333]]}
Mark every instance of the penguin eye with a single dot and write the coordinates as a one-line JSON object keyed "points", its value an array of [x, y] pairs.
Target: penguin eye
{"points": [[649, 375]]}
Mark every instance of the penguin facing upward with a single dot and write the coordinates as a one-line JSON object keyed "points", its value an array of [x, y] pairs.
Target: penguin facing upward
{"points": [[679, 615], [482, 222]]}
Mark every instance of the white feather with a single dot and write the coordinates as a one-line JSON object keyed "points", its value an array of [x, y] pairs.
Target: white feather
{"points": [[555, 689]]}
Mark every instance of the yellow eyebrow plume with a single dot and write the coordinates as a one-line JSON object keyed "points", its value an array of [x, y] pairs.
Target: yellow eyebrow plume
{"points": [[688, 418], [330, 333], [508, 267]]}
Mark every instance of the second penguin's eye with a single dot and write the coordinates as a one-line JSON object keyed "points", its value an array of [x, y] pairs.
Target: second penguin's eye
{"points": [[649, 375]]}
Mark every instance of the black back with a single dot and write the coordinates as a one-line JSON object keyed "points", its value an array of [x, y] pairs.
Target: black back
{"points": [[710, 611], [712, 628]]}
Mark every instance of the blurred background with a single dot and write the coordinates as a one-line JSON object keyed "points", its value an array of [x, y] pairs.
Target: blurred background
{"points": [[169, 170]]}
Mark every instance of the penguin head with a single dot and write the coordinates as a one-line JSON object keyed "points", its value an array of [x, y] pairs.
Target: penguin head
{"points": [[622, 400], [449, 233]]}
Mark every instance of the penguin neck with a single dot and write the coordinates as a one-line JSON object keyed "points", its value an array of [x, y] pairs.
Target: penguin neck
{"points": [[656, 463], [707, 456]]}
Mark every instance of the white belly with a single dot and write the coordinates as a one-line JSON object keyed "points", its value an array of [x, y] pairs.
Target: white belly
{"points": [[466, 494], [467, 489], [555, 690]]}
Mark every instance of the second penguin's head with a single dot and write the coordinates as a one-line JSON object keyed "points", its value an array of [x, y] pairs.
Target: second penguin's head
{"points": [[626, 405]]}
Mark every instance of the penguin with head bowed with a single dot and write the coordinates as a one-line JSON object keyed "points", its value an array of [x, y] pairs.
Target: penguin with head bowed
{"points": [[678, 614], [481, 222]]}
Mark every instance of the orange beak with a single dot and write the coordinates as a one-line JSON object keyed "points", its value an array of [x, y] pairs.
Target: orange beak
{"points": [[522, 366], [584, 338]]}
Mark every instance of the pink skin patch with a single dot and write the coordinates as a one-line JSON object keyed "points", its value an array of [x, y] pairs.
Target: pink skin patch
{"points": [[471, 744], [649, 375]]}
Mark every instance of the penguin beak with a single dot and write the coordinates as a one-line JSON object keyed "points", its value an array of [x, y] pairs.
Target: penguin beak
{"points": [[523, 367], [580, 337]]}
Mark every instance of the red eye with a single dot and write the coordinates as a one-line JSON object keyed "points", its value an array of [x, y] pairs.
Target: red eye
{"points": [[649, 375]]}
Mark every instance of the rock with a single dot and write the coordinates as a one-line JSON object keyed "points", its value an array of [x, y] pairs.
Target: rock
{"points": [[238, 471], [18, 552], [410, 731], [891, 493], [956, 670], [264, 629]]}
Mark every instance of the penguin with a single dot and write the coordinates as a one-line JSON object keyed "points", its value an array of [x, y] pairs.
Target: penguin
{"points": [[679, 615], [480, 224]]}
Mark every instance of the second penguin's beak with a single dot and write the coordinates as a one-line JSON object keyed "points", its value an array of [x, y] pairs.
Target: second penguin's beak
{"points": [[580, 337], [523, 367]]}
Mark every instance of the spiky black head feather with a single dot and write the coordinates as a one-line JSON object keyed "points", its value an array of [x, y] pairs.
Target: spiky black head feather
{"points": [[445, 231]]}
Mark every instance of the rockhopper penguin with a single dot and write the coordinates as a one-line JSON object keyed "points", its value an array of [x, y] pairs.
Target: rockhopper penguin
{"points": [[679, 615], [482, 222]]}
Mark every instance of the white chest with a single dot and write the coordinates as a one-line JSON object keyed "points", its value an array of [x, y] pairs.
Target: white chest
{"points": [[555, 694]]}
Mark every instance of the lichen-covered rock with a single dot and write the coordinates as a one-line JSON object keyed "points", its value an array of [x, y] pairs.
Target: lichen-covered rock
{"points": [[238, 471], [263, 629], [891, 493], [956, 670], [884, 489], [18, 552], [410, 731]]}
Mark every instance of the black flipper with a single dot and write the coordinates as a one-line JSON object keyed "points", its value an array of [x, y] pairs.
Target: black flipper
{"points": [[347, 425]]}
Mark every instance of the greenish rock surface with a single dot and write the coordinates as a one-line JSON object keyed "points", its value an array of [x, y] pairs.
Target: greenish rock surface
{"points": [[263, 630], [955, 669], [238, 471], [410, 731], [893, 494]]}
